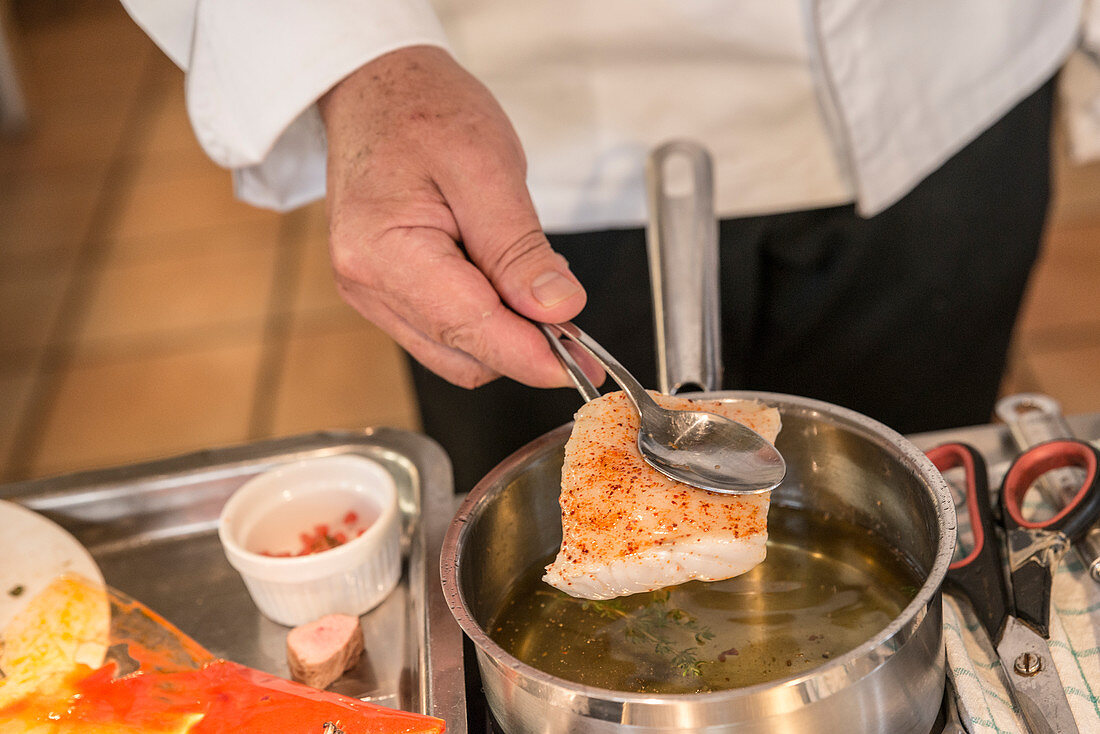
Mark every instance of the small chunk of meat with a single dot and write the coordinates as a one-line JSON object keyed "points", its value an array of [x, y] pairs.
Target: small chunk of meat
{"points": [[320, 651], [627, 528]]}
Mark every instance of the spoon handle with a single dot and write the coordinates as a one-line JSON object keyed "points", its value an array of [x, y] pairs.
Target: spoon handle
{"points": [[643, 403], [580, 380]]}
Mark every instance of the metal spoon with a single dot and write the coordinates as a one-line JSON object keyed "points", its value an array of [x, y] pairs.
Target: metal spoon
{"points": [[702, 449]]}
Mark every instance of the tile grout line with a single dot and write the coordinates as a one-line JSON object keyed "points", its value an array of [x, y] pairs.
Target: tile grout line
{"points": [[269, 375], [162, 342], [58, 353], [1063, 337]]}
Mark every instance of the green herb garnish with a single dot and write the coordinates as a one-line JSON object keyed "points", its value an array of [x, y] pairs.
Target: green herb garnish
{"points": [[652, 624]]}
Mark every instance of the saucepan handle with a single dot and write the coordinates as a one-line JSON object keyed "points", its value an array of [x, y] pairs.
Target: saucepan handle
{"points": [[682, 240]]}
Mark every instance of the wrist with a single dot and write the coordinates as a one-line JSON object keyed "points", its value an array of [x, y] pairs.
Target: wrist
{"points": [[381, 76]]}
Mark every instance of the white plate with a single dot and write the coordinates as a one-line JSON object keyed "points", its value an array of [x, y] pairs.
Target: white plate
{"points": [[34, 551]]}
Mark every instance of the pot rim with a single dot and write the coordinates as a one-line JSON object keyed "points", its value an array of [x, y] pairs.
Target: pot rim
{"points": [[860, 661]]}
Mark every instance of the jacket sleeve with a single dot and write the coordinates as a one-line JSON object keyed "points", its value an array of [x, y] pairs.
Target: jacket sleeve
{"points": [[254, 72], [1079, 90]]}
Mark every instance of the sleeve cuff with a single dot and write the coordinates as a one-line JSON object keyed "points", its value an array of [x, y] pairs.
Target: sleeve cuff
{"points": [[293, 173], [255, 73]]}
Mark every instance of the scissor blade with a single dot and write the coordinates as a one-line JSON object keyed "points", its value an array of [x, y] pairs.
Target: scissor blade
{"points": [[953, 723], [1038, 688]]}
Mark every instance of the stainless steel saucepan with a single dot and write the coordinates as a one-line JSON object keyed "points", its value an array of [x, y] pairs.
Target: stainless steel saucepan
{"points": [[840, 463]]}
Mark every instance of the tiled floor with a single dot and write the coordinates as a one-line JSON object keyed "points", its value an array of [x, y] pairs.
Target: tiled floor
{"points": [[144, 312]]}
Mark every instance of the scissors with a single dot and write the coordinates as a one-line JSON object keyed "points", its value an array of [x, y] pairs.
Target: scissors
{"points": [[1016, 611]]}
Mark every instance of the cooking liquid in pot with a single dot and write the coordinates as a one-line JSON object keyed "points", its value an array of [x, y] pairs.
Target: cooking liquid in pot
{"points": [[825, 588]]}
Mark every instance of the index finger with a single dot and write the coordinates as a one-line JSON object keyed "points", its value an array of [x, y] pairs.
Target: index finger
{"points": [[421, 274]]}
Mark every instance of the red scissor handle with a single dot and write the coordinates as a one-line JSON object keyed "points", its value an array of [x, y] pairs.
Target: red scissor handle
{"points": [[952, 456], [1081, 512], [1032, 573], [980, 576]]}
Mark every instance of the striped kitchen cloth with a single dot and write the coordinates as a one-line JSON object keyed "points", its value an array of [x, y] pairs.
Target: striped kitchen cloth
{"points": [[984, 704]]}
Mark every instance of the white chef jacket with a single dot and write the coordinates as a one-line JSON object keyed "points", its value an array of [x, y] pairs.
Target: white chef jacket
{"points": [[803, 103]]}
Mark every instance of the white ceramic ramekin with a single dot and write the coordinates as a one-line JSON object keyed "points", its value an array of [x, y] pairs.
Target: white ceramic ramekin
{"points": [[270, 511]]}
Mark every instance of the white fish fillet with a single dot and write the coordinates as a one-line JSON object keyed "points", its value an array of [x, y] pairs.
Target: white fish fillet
{"points": [[627, 528]]}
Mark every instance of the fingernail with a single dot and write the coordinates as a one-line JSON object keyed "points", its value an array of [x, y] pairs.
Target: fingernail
{"points": [[551, 288]]}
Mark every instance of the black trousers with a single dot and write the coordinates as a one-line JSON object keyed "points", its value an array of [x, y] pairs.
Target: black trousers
{"points": [[905, 316]]}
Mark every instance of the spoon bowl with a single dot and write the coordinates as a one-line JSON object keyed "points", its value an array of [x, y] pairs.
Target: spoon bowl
{"points": [[711, 452], [698, 448]]}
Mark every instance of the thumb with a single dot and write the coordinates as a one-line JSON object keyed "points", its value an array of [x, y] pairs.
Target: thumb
{"points": [[530, 276], [537, 283], [503, 238], [485, 186]]}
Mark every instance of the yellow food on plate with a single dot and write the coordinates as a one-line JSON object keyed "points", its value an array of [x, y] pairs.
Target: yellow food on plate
{"points": [[63, 627], [56, 682]]}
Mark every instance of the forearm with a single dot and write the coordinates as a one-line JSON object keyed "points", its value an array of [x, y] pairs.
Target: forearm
{"points": [[254, 74]]}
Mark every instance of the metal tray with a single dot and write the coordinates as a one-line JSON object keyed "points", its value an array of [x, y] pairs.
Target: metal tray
{"points": [[152, 528], [994, 440]]}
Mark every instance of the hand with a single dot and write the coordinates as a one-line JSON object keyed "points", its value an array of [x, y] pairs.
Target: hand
{"points": [[433, 236]]}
